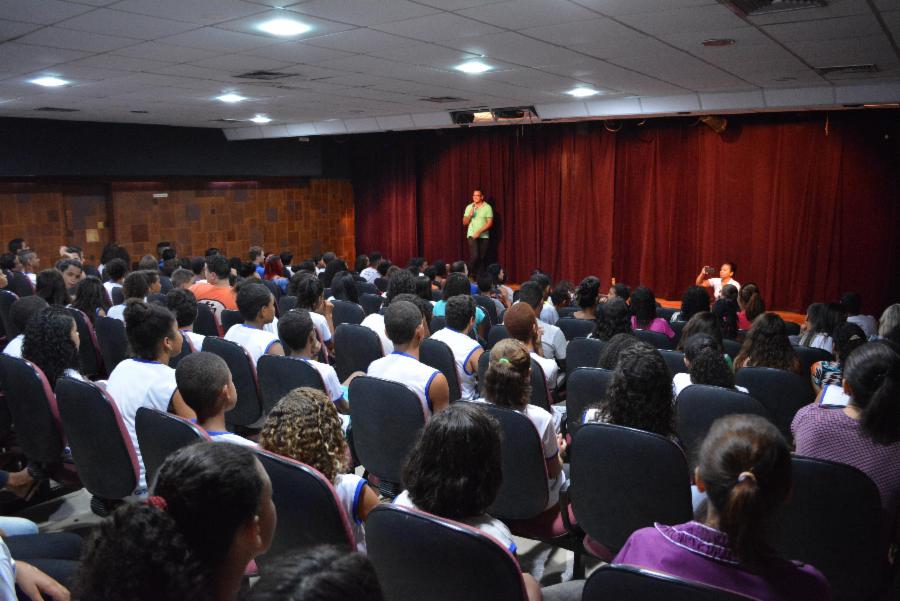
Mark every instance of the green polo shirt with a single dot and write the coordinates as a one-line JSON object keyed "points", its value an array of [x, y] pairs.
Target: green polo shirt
{"points": [[480, 218]]}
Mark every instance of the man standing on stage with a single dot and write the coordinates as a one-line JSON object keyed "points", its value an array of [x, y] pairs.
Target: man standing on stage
{"points": [[479, 217]]}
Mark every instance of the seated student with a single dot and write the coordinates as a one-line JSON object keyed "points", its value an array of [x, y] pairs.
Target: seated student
{"points": [[847, 338], [852, 304], [211, 513], [51, 343], [767, 345], [316, 574], [135, 287], [198, 268], [643, 308], [205, 385], [182, 303], [51, 287], [343, 287], [561, 297], [27, 579], [146, 380], [822, 319], [21, 311], [274, 270], [72, 272], [90, 298], [889, 321], [620, 291], [381, 282], [116, 269], [485, 284], [257, 307], [498, 275], [507, 383], [694, 300], [553, 341], [30, 264], [154, 283], [370, 272], [707, 365], [216, 292], [460, 313], [751, 305], [726, 310], [609, 356], [456, 284], [522, 325], [613, 320], [866, 432], [310, 294], [400, 282], [304, 425], [182, 278], [704, 322], [406, 328], [586, 298], [745, 469]]}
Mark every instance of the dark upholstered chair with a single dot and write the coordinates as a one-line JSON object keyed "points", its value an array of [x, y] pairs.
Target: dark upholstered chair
{"points": [[160, 434], [355, 347], [248, 410], [782, 393], [280, 375], [112, 340], [636, 584]]}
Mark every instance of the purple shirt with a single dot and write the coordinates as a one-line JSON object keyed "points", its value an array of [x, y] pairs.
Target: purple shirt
{"points": [[694, 551], [657, 325]]}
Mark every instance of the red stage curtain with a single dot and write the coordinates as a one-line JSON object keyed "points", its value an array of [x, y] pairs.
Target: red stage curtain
{"points": [[805, 204]]}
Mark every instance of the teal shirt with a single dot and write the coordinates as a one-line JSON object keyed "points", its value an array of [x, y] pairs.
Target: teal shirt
{"points": [[479, 219]]}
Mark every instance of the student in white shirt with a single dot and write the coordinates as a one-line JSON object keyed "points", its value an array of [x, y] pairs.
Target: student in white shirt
{"points": [[135, 286], [522, 325], [116, 269], [30, 264], [205, 384], [257, 307], [726, 276], [706, 365], [183, 304], [21, 311], [310, 294], [460, 314], [370, 273], [553, 341], [401, 282], [51, 343], [852, 303]]}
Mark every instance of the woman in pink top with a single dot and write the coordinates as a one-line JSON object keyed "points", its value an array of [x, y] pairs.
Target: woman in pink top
{"points": [[643, 307]]}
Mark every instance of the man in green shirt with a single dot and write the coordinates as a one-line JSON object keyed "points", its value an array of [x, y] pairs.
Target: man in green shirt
{"points": [[479, 217]]}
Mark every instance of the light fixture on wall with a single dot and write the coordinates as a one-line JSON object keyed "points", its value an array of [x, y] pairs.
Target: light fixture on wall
{"points": [[715, 122]]}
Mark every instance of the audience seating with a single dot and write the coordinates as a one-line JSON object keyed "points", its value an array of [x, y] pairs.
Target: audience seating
{"points": [[159, 298], [565, 312], [666, 312], [230, 318], [487, 305], [248, 411], [118, 295], [20, 284], [286, 303], [678, 328], [206, 322], [279, 375], [101, 446], [347, 312], [112, 340], [159, 435], [732, 347], [421, 556], [636, 584], [809, 355], [623, 479], [793, 329], [187, 347], [698, 406], [674, 361], [575, 328], [781, 392], [540, 394], [438, 322], [439, 356], [497, 333], [363, 287], [309, 512], [274, 288], [355, 347], [371, 303], [585, 387], [657, 340], [90, 357], [386, 420], [583, 352], [7, 299]]}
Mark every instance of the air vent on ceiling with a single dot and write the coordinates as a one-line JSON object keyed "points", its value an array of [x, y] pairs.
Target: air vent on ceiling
{"points": [[224, 120], [753, 8], [56, 109], [498, 116], [263, 75], [835, 69], [443, 99]]}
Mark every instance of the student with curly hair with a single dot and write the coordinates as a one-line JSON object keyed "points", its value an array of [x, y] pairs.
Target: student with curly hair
{"points": [[137, 287], [318, 574], [587, 296], [51, 287], [304, 425], [767, 345], [90, 298], [613, 320], [609, 356], [694, 300], [21, 312], [51, 343], [847, 338], [706, 365], [211, 513], [643, 309]]}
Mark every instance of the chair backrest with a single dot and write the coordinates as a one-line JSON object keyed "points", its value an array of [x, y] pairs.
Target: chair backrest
{"points": [[421, 556], [309, 512], [666, 312], [159, 298], [438, 322], [371, 302], [32, 405], [497, 333], [101, 446], [623, 479], [583, 352], [792, 328], [274, 288], [567, 311], [280, 375], [585, 386], [809, 355], [206, 322], [540, 394], [364, 287], [657, 340], [833, 521], [523, 493], [439, 356], [698, 406], [487, 305], [387, 418], [20, 284], [573, 327], [112, 340], [355, 347], [781, 392], [118, 295], [732, 347], [230, 318], [187, 347], [90, 358], [636, 584], [436, 295], [7, 298], [347, 312], [286, 303], [249, 405], [674, 361], [160, 434]]}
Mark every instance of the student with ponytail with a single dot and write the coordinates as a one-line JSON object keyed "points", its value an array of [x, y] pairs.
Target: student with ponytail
{"points": [[745, 469], [751, 305]]}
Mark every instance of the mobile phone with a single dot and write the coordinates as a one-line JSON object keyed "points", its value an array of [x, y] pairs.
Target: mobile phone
{"points": [[709, 270]]}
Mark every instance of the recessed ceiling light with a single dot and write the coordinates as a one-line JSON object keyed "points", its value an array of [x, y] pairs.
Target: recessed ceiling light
{"points": [[718, 42], [50, 82], [261, 119], [473, 67], [230, 97], [582, 92], [283, 27]]}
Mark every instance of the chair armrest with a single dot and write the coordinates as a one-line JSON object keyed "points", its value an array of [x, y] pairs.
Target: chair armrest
{"points": [[565, 505]]}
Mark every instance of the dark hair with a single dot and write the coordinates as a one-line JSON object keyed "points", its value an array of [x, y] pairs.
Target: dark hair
{"points": [[51, 287], [622, 291], [146, 326], [494, 269], [708, 365], [640, 392], [362, 261], [23, 309], [294, 328], [212, 251], [507, 383], [454, 469], [852, 303], [374, 258], [252, 297], [200, 378], [458, 267], [767, 345], [455, 284], [308, 289], [197, 265], [588, 292], [7, 261], [484, 281], [169, 266], [64, 264], [823, 318], [16, 244], [703, 322], [151, 276], [286, 257], [425, 307], [643, 306], [612, 320], [254, 253], [609, 356], [90, 296], [751, 302], [183, 304], [333, 267], [459, 312], [245, 269], [307, 266], [168, 254], [148, 263], [440, 268], [115, 269], [694, 300], [745, 465], [382, 267], [181, 276], [401, 318], [343, 287], [48, 343], [423, 287], [401, 282], [847, 338], [143, 552], [732, 265], [531, 294], [135, 285], [218, 265], [543, 280], [726, 309], [561, 293], [323, 573], [873, 373]]}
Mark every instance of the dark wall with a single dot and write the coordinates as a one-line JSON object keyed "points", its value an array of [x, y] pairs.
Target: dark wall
{"points": [[47, 148]]}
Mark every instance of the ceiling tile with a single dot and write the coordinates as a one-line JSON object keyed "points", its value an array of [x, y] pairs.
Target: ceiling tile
{"points": [[632, 7], [588, 31], [522, 14], [298, 52], [360, 40], [56, 37], [44, 12], [457, 4], [826, 29], [251, 25], [698, 18], [160, 51], [123, 63], [125, 24], [220, 40], [427, 54], [23, 57], [848, 51], [13, 29], [241, 63], [364, 12], [835, 8], [201, 12], [514, 48], [434, 28]]}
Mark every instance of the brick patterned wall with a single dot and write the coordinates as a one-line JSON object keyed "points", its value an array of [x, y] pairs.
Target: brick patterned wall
{"points": [[303, 216]]}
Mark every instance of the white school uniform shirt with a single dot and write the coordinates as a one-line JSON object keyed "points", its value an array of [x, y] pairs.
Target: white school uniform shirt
{"points": [[463, 348], [549, 314], [14, 346], [553, 341], [375, 322], [329, 378], [256, 342], [349, 489], [369, 274], [716, 284], [136, 383], [550, 369], [868, 324], [682, 380], [7, 574], [33, 277], [321, 325], [117, 312], [109, 287], [407, 370], [232, 438], [195, 338]]}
